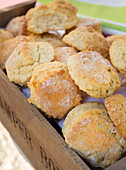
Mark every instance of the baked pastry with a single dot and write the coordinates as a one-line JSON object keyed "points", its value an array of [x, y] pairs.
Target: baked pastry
{"points": [[53, 39], [86, 38], [53, 90], [93, 74], [59, 15], [116, 106], [88, 21], [8, 46], [90, 132], [24, 58], [112, 38], [62, 54], [118, 55], [18, 26], [5, 35]]}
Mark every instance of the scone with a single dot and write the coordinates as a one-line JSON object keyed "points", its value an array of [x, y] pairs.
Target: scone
{"points": [[59, 15], [116, 106], [24, 58], [118, 55], [86, 38], [5, 35], [8, 46], [53, 90], [88, 21], [62, 54], [18, 26], [53, 39], [112, 38], [90, 132], [93, 74]]}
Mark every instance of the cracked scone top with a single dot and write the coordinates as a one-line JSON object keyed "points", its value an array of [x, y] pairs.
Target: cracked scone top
{"points": [[24, 58], [53, 90], [59, 15], [118, 55], [116, 106], [86, 38], [93, 74], [89, 130]]}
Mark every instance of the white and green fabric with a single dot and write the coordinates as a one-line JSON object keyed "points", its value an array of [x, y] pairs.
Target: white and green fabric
{"points": [[112, 13]]}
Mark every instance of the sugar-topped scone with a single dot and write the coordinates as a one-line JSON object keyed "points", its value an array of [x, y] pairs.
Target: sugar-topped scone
{"points": [[118, 55], [88, 21], [112, 38], [53, 39], [59, 15], [93, 74], [8, 46], [89, 130], [86, 38], [62, 54], [24, 58], [18, 26], [53, 90], [5, 35], [116, 106]]}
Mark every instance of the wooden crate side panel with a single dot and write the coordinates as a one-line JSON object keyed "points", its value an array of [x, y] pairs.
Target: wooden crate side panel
{"points": [[39, 141]]}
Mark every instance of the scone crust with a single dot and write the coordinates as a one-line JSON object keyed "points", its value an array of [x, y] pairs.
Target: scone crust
{"points": [[18, 26], [85, 70], [118, 55], [89, 130], [62, 54], [116, 106], [5, 35], [93, 22], [53, 39], [53, 90], [86, 38], [24, 58], [112, 38], [59, 15], [8, 46]]}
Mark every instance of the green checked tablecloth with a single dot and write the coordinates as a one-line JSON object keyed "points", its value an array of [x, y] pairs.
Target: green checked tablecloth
{"points": [[112, 13]]}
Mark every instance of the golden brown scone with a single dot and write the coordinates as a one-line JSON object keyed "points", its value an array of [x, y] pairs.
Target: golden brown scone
{"points": [[8, 46], [86, 38], [89, 130], [93, 74], [116, 106], [18, 26], [96, 24], [62, 54], [5, 35], [118, 55], [53, 39], [24, 58], [53, 90], [59, 15], [112, 38]]}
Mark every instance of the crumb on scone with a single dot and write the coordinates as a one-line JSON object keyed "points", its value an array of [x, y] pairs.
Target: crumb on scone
{"points": [[86, 38], [93, 74], [24, 58], [90, 132], [59, 15], [116, 106], [53, 90]]}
